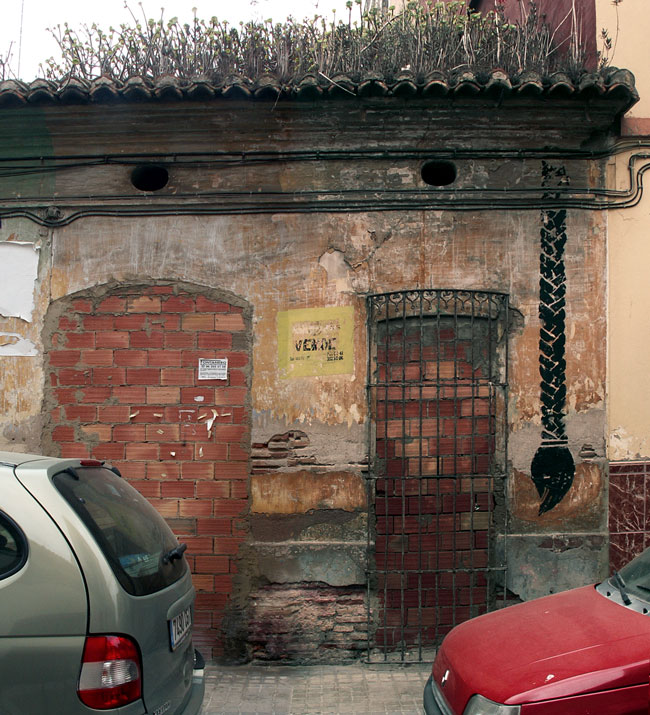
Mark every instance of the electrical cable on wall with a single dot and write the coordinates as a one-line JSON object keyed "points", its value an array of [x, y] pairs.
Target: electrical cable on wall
{"points": [[41, 211]]}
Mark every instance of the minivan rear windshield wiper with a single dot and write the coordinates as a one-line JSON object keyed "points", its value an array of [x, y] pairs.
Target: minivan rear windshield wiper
{"points": [[620, 584], [175, 553]]}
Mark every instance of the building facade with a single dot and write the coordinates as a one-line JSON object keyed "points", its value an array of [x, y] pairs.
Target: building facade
{"points": [[350, 338], [629, 417]]}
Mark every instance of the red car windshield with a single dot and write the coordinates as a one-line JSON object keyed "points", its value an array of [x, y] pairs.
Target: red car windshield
{"points": [[636, 576]]}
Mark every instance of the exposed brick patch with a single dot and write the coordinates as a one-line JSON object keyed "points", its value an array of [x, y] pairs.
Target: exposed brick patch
{"points": [[123, 377], [308, 623], [281, 451], [629, 511]]}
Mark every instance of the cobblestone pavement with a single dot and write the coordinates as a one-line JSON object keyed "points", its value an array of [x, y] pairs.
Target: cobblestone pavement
{"points": [[310, 690]]}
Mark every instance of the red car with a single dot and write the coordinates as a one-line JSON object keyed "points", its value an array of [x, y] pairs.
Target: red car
{"points": [[585, 651]]}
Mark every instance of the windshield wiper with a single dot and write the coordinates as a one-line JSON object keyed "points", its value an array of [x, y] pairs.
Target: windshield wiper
{"points": [[620, 584], [175, 553]]}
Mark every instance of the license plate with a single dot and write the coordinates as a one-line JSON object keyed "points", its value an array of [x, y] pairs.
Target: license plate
{"points": [[180, 627]]}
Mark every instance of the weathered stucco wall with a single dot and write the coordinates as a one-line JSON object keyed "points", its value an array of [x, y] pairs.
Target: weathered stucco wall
{"points": [[422, 250], [24, 298], [309, 444]]}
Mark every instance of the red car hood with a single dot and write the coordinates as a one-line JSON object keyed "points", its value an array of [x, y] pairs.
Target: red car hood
{"points": [[566, 644]]}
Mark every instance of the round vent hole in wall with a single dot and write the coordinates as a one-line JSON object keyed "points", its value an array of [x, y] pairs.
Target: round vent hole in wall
{"points": [[438, 173], [149, 177]]}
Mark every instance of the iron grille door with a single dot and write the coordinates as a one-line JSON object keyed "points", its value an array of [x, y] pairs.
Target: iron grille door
{"points": [[437, 394]]}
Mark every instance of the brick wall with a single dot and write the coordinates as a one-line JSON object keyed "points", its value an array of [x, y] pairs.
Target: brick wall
{"points": [[629, 511], [308, 622], [123, 387], [281, 451]]}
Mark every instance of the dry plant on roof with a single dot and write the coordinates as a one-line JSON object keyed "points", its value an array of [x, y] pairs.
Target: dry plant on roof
{"points": [[422, 38], [5, 65]]}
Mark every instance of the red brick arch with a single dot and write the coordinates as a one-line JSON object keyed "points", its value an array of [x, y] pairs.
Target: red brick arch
{"points": [[122, 385]]}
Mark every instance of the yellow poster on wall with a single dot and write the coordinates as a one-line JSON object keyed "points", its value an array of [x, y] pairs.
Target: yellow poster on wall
{"points": [[316, 341]]}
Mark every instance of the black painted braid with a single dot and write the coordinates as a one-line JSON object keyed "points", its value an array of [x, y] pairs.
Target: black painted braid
{"points": [[552, 469], [552, 303]]}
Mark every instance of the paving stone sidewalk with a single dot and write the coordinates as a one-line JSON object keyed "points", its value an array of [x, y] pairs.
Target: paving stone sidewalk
{"points": [[311, 690]]}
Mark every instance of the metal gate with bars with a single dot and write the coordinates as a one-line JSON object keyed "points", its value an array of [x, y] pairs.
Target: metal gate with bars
{"points": [[436, 484]]}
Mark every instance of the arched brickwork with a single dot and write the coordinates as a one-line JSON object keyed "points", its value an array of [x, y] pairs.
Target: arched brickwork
{"points": [[122, 385]]}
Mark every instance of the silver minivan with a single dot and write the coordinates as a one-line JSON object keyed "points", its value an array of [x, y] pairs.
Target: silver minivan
{"points": [[96, 597]]}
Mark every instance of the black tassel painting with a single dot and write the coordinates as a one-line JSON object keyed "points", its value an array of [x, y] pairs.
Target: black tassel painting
{"points": [[552, 468]]}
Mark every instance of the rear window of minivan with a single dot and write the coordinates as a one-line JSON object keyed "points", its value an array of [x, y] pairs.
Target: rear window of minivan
{"points": [[132, 535]]}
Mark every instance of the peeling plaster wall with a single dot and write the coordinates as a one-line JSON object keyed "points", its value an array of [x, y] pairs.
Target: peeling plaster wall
{"points": [[309, 443], [337, 259], [24, 257], [24, 251], [424, 251]]}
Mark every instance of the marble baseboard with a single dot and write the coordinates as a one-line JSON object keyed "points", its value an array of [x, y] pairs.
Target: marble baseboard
{"points": [[629, 510]]}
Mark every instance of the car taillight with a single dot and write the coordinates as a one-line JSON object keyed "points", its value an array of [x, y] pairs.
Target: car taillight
{"points": [[110, 672]]}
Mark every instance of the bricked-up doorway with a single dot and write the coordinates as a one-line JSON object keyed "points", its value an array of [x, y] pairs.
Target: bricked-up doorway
{"points": [[437, 382], [122, 386]]}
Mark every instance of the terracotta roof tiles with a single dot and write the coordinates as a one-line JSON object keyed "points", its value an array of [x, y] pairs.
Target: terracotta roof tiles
{"points": [[611, 83]]}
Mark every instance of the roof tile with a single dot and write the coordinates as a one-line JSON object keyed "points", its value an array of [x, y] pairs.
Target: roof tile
{"points": [[610, 83]]}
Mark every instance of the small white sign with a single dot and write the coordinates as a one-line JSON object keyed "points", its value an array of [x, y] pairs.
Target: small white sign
{"points": [[213, 369]]}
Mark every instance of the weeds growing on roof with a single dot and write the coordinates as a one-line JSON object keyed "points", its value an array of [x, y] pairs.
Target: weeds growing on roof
{"points": [[420, 39]]}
